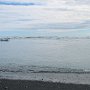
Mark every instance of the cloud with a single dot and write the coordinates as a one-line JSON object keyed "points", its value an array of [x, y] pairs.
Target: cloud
{"points": [[18, 3], [64, 26], [80, 2], [51, 16]]}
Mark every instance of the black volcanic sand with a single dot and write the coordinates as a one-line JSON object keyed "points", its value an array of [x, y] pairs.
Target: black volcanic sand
{"points": [[39, 85]]}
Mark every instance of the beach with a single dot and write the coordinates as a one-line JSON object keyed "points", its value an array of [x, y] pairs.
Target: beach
{"points": [[44, 45], [6, 84]]}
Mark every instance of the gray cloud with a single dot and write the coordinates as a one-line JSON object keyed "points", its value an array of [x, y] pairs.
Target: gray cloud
{"points": [[58, 9], [78, 2], [70, 11], [66, 26]]}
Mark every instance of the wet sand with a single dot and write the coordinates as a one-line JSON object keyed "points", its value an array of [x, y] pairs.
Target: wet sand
{"points": [[39, 85]]}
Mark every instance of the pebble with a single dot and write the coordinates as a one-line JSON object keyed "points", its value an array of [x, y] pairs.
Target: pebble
{"points": [[6, 87], [26, 86]]}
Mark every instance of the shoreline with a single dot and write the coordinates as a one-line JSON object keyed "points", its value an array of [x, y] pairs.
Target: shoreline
{"points": [[9, 84], [43, 37]]}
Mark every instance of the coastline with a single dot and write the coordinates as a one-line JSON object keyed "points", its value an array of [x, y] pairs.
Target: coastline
{"points": [[9, 84], [62, 76]]}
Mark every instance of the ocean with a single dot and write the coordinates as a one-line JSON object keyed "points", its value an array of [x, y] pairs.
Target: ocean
{"points": [[48, 58]]}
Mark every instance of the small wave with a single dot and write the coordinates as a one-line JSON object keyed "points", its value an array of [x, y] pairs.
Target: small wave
{"points": [[45, 37], [38, 69]]}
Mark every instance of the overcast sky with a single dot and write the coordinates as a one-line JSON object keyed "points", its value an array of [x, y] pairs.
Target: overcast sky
{"points": [[47, 15]]}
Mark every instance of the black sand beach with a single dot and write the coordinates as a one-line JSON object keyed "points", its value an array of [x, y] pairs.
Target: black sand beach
{"points": [[39, 85]]}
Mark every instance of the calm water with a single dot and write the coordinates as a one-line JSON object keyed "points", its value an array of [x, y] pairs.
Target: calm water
{"points": [[62, 53]]}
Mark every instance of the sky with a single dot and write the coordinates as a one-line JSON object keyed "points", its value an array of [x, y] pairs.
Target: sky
{"points": [[45, 17]]}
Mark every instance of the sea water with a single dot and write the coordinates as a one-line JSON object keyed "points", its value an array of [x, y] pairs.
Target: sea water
{"points": [[50, 59], [67, 53]]}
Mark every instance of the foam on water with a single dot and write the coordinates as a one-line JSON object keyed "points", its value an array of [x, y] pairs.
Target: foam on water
{"points": [[39, 69], [65, 75]]}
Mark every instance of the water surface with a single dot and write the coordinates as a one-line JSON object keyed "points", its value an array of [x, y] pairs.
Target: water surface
{"points": [[67, 53]]}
